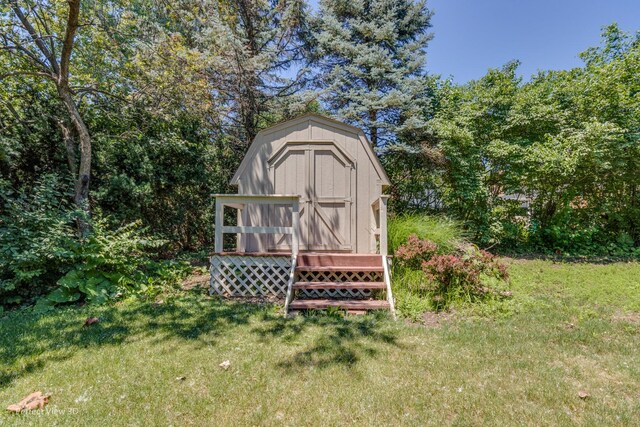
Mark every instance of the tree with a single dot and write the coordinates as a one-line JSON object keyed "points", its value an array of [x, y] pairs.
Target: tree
{"points": [[566, 143], [258, 41], [371, 57], [237, 57], [43, 40]]}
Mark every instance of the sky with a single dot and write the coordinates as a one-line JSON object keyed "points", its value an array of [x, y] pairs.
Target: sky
{"points": [[471, 36]]}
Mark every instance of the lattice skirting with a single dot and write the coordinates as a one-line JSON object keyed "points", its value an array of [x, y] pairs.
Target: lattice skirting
{"points": [[245, 275], [337, 276]]}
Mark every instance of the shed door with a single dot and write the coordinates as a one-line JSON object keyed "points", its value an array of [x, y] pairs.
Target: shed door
{"points": [[322, 175]]}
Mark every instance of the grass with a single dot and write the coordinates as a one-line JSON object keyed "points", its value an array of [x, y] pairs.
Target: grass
{"points": [[446, 233], [570, 328]]}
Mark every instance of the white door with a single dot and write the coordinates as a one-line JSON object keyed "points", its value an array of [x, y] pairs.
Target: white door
{"points": [[322, 175]]}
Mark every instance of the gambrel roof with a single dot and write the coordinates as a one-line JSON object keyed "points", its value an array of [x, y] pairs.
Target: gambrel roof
{"points": [[311, 119]]}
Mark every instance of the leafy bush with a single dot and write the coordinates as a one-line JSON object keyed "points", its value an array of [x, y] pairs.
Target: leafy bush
{"points": [[41, 254], [36, 239], [427, 278], [107, 264], [445, 233], [463, 276], [415, 251]]}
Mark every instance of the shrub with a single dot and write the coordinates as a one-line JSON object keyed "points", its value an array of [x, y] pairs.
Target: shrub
{"points": [[415, 251], [445, 233], [107, 264], [467, 275], [36, 238], [41, 254], [426, 277]]}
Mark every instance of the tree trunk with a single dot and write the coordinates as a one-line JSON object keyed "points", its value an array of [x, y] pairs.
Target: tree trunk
{"points": [[70, 145], [45, 59], [248, 78], [373, 130], [81, 197]]}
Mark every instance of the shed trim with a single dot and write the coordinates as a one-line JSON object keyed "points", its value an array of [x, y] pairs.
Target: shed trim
{"points": [[254, 147], [334, 145]]}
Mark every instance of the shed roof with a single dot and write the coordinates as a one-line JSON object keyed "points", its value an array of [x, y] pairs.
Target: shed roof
{"points": [[253, 148]]}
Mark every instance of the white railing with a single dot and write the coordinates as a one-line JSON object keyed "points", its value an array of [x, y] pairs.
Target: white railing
{"points": [[240, 201], [379, 211], [386, 268]]}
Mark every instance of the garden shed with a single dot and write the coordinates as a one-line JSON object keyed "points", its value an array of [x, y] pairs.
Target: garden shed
{"points": [[310, 190], [334, 170]]}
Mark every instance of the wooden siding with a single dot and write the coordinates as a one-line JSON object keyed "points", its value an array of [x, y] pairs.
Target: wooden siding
{"points": [[331, 167]]}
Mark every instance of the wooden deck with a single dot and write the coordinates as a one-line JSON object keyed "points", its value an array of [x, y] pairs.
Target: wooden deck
{"points": [[309, 281], [306, 259], [330, 268]]}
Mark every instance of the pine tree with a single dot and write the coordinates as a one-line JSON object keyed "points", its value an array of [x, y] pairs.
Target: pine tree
{"points": [[252, 45], [242, 53], [371, 60]]}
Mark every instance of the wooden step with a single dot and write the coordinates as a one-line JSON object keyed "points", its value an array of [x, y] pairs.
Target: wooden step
{"points": [[319, 304], [347, 268], [339, 260], [339, 285]]}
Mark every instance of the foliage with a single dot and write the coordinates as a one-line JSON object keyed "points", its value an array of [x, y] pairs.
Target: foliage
{"points": [[413, 253], [435, 268], [424, 271], [40, 252], [36, 239], [161, 173], [107, 264], [225, 61], [371, 58], [550, 164], [444, 232], [466, 276]]}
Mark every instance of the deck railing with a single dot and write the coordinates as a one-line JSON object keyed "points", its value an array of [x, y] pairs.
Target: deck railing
{"points": [[240, 201], [379, 211]]}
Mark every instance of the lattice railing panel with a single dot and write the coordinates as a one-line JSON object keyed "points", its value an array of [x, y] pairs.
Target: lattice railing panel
{"points": [[246, 275]]}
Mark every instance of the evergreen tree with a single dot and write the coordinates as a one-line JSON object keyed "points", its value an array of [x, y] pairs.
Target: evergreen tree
{"points": [[250, 45], [371, 58], [234, 61]]}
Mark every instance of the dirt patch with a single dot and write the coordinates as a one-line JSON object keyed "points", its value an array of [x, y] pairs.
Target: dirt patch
{"points": [[436, 319], [196, 279], [269, 299], [632, 317]]}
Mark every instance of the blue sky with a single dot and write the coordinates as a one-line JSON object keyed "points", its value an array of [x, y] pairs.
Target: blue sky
{"points": [[474, 35]]}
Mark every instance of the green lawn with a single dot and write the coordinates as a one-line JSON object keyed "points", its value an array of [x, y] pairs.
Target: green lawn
{"points": [[568, 328]]}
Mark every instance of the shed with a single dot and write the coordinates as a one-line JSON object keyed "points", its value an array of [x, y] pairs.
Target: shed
{"points": [[335, 171], [311, 219]]}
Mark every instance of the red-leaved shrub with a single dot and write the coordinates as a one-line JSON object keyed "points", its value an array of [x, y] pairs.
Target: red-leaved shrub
{"points": [[463, 275], [413, 253]]}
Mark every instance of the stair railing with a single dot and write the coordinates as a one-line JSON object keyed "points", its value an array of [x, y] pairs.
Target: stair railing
{"points": [[292, 277], [386, 271]]}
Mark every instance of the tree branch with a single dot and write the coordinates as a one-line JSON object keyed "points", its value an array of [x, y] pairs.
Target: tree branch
{"points": [[35, 36], [15, 114], [67, 45], [17, 46], [27, 73]]}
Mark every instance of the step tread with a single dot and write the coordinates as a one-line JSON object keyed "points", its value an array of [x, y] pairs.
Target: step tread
{"points": [[339, 285], [317, 304], [349, 260], [339, 268]]}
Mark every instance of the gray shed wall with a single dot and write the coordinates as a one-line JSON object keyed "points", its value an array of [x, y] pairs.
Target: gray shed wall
{"points": [[346, 170]]}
